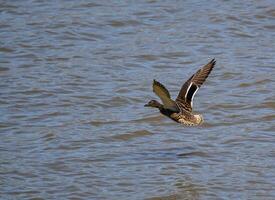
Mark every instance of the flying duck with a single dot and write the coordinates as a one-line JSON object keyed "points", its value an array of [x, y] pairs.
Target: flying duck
{"points": [[180, 110]]}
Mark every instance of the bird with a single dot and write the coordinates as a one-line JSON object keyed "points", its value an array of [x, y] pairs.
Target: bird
{"points": [[181, 109]]}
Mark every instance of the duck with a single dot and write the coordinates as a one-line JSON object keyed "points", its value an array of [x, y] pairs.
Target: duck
{"points": [[181, 109]]}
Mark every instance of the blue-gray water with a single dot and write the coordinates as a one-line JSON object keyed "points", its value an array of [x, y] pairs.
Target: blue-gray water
{"points": [[76, 74]]}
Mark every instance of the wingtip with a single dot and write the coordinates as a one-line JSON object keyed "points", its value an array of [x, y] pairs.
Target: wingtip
{"points": [[213, 61], [156, 82]]}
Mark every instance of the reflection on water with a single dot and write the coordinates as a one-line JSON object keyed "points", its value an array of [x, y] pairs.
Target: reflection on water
{"points": [[75, 76]]}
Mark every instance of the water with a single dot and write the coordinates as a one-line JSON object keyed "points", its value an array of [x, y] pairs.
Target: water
{"points": [[76, 74]]}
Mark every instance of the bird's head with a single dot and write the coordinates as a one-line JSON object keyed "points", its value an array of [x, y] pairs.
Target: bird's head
{"points": [[154, 104]]}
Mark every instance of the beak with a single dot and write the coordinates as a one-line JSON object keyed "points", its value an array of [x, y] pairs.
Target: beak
{"points": [[146, 105]]}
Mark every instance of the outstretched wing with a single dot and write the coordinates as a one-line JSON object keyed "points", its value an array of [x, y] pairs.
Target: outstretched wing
{"points": [[164, 95], [192, 85]]}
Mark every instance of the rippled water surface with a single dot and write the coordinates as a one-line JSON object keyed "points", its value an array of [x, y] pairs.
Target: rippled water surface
{"points": [[76, 74]]}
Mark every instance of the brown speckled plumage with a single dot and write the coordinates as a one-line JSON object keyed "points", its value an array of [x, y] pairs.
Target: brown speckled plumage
{"points": [[180, 110]]}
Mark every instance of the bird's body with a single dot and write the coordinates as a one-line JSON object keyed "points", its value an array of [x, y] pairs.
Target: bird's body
{"points": [[180, 110]]}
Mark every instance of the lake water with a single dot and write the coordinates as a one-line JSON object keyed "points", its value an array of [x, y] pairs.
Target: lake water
{"points": [[76, 74]]}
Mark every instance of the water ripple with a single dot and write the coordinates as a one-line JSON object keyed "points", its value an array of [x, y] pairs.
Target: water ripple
{"points": [[75, 76]]}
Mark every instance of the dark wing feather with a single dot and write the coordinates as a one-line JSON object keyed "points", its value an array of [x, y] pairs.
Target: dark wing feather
{"points": [[201, 75], [163, 88], [194, 82], [164, 95]]}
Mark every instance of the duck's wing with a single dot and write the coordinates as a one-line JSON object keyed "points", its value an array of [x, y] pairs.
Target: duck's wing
{"points": [[192, 85], [164, 95]]}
